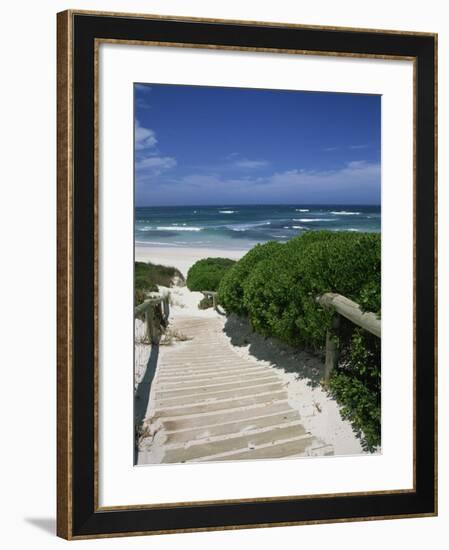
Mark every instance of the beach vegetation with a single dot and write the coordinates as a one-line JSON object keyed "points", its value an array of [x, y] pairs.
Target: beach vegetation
{"points": [[276, 286], [207, 273], [231, 289], [148, 276]]}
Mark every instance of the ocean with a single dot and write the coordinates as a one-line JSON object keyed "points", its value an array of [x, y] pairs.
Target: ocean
{"points": [[242, 226]]}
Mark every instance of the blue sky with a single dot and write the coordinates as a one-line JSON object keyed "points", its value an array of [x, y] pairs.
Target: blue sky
{"points": [[204, 145]]}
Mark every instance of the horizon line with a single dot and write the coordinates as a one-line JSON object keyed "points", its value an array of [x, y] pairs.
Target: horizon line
{"points": [[224, 204]]}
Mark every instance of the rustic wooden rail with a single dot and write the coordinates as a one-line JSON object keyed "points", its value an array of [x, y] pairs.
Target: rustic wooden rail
{"points": [[156, 311], [214, 295], [351, 311], [211, 294]]}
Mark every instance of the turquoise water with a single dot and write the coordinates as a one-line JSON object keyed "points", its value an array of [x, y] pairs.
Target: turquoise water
{"points": [[243, 226]]}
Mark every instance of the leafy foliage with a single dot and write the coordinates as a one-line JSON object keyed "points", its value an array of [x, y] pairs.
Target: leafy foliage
{"points": [[276, 286], [206, 274], [148, 276], [356, 385], [230, 292], [280, 293]]}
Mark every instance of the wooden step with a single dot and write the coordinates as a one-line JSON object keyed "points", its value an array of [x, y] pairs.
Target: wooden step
{"points": [[240, 443], [239, 426], [222, 404], [173, 423]]}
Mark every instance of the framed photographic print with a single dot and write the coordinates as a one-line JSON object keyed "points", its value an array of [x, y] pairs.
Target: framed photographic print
{"points": [[246, 274]]}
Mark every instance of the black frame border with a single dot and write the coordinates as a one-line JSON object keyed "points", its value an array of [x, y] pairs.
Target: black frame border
{"points": [[86, 519]]}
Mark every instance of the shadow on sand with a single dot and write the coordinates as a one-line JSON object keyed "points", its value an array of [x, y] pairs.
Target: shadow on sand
{"points": [[142, 394], [307, 366]]}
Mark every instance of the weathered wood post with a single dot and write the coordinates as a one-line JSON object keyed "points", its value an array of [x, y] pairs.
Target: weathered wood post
{"points": [[155, 311], [332, 350], [150, 320], [351, 311], [166, 303]]}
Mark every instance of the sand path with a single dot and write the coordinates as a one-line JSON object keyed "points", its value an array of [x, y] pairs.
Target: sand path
{"points": [[210, 402]]}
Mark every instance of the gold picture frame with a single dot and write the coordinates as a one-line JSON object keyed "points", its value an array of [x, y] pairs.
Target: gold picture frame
{"points": [[79, 513]]}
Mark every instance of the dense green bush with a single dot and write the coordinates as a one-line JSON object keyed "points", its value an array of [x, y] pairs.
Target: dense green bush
{"points": [[231, 286], [356, 385], [274, 295], [278, 292], [206, 274], [148, 276]]}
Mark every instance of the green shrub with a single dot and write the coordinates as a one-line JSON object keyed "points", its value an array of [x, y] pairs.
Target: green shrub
{"points": [[206, 274], [356, 383], [148, 276], [278, 292], [206, 303], [230, 292], [360, 406]]}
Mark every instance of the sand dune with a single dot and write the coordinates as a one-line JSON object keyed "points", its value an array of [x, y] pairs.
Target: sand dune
{"points": [[182, 258]]}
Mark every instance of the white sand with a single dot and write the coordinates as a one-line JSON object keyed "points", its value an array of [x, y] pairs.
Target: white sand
{"points": [[182, 258]]}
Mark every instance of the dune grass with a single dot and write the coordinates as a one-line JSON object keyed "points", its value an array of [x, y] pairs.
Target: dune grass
{"points": [[148, 276]]}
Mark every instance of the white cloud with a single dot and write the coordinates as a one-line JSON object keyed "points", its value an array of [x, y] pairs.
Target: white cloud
{"points": [[237, 161], [145, 138], [354, 175], [248, 164], [355, 182], [154, 165], [149, 162], [361, 146]]}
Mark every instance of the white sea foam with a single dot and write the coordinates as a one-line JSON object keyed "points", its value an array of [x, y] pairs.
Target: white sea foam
{"points": [[171, 228], [246, 226], [298, 227], [146, 243], [227, 211], [302, 210], [345, 213], [306, 220]]}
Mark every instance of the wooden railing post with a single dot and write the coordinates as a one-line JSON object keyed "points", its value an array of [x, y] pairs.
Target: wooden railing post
{"points": [[150, 319], [342, 306], [214, 296], [166, 304], [155, 311], [332, 350], [351, 311]]}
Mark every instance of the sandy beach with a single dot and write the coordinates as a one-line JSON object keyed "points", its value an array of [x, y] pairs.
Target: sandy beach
{"points": [[180, 257]]}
